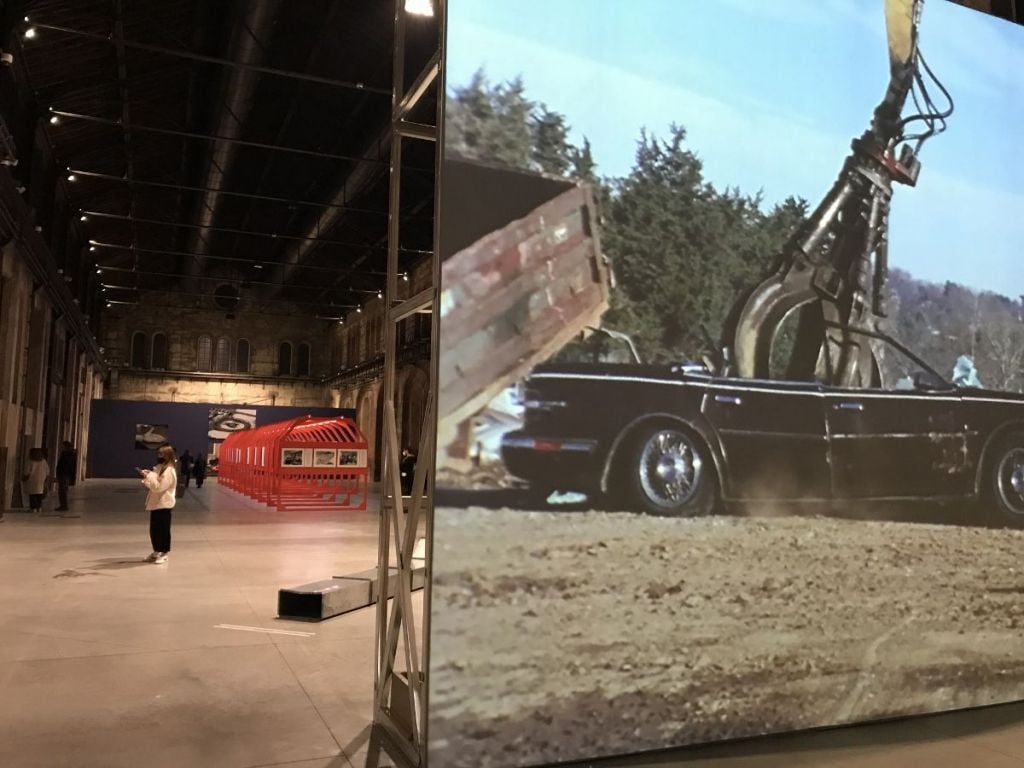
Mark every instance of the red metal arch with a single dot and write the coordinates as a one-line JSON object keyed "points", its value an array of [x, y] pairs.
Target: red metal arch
{"points": [[304, 463]]}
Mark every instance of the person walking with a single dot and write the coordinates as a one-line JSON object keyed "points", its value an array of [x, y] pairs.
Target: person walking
{"points": [[36, 478], [199, 470], [162, 483], [187, 462], [67, 468]]}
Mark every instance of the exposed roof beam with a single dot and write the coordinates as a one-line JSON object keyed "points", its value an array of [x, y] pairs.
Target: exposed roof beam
{"points": [[262, 312], [251, 262], [216, 60], [228, 229], [126, 120], [248, 195], [212, 138], [208, 278], [243, 232], [237, 97], [259, 300], [297, 97], [363, 175]]}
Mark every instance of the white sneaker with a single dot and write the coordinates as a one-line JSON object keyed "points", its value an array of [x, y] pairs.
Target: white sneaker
{"points": [[153, 556], [161, 557]]}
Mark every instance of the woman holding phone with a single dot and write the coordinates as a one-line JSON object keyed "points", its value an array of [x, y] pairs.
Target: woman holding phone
{"points": [[161, 482]]}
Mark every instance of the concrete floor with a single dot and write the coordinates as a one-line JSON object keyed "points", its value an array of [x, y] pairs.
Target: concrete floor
{"points": [[106, 661]]}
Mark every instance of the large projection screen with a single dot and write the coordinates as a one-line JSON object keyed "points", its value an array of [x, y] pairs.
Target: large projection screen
{"points": [[731, 423]]}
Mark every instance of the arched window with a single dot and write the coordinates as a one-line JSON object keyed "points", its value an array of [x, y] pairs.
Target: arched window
{"points": [[140, 353], [205, 354], [160, 351], [222, 356], [242, 356], [284, 359], [302, 360]]}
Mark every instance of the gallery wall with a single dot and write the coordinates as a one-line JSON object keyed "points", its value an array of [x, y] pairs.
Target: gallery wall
{"points": [[800, 507], [113, 425]]}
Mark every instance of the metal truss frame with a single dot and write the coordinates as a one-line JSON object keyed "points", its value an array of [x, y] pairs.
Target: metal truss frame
{"points": [[400, 689]]}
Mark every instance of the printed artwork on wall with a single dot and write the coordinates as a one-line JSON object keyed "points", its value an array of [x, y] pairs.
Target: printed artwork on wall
{"points": [[351, 458], [295, 457], [798, 300], [149, 437], [325, 457], [224, 421]]}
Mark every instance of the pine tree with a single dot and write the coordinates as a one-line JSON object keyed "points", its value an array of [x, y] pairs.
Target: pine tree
{"points": [[552, 152]]}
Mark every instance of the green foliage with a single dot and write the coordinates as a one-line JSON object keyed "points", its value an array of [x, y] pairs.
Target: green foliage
{"points": [[683, 251], [940, 322]]}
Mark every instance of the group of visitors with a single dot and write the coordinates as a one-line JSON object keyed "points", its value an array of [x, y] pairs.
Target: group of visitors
{"points": [[193, 467], [161, 483], [37, 479]]}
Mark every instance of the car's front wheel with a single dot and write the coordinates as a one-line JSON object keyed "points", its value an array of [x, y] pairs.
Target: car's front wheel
{"points": [[666, 471], [1006, 479]]}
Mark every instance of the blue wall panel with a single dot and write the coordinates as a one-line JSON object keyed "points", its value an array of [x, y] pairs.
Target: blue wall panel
{"points": [[112, 451]]}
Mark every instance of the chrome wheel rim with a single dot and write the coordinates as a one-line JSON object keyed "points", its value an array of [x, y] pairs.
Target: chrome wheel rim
{"points": [[670, 469], [1010, 481]]}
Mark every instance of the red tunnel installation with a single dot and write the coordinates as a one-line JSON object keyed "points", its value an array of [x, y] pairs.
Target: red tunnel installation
{"points": [[305, 463]]}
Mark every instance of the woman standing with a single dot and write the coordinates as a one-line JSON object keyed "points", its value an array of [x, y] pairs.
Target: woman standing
{"points": [[36, 478], [162, 482]]}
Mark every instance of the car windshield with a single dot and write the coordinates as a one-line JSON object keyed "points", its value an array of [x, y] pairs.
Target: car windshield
{"points": [[599, 346], [901, 368]]}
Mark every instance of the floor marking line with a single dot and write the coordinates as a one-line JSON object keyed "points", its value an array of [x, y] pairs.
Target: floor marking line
{"points": [[264, 630]]}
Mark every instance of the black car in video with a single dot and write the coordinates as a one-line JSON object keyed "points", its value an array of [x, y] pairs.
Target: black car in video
{"points": [[675, 441]]}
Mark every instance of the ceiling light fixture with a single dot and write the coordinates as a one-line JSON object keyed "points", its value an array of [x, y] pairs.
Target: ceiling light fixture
{"points": [[83, 217], [380, 294], [359, 309], [72, 177], [419, 7], [405, 276], [92, 249], [30, 33], [55, 120]]}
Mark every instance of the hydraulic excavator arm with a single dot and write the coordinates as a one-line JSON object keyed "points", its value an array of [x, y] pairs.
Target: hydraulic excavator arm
{"points": [[834, 271]]}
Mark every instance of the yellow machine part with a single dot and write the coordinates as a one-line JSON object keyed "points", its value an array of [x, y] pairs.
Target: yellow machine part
{"points": [[899, 23]]}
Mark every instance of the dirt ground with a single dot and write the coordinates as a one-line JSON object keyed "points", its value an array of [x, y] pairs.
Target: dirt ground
{"points": [[560, 636]]}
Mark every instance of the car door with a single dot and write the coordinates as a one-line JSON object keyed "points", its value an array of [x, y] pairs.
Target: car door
{"points": [[772, 436], [898, 440]]}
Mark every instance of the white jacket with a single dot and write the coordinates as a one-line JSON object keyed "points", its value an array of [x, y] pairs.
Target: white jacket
{"points": [[38, 471], [162, 488]]}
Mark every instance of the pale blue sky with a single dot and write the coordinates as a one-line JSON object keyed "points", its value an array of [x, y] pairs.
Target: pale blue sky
{"points": [[771, 93]]}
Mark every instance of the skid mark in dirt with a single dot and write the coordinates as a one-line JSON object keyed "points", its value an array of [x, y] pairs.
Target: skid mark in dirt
{"points": [[560, 637]]}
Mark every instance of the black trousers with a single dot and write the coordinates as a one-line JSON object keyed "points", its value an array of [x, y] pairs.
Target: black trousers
{"points": [[160, 529], [35, 500], [62, 490]]}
